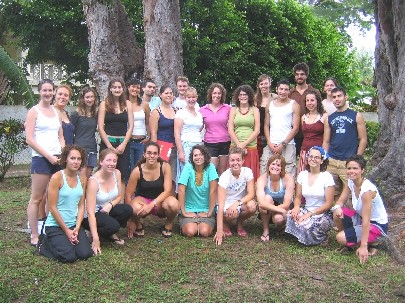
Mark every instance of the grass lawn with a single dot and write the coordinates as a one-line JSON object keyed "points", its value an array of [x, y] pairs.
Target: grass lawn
{"points": [[154, 269]]}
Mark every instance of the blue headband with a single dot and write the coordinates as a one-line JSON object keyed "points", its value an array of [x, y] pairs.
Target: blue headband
{"points": [[323, 152]]}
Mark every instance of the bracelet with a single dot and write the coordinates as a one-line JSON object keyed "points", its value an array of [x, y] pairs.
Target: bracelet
{"points": [[155, 203], [283, 143], [112, 205], [335, 207], [240, 202]]}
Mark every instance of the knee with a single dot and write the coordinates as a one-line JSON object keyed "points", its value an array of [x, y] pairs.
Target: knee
{"points": [[278, 219], [251, 207], [205, 231], [189, 230], [341, 238], [171, 204]]}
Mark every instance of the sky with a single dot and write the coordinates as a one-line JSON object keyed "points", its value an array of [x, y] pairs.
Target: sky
{"points": [[360, 41]]}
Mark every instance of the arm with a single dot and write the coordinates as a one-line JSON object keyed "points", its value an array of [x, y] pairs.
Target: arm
{"points": [[80, 213], [341, 202], [178, 125], [288, 181], [297, 202], [91, 193], [60, 134], [256, 131], [100, 124], [153, 125], [326, 135], [261, 196], [132, 185], [213, 196], [366, 199], [121, 148], [146, 110], [219, 235], [231, 127], [167, 184], [182, 199], [329, 195], [108, 206], [362, 133], [267, 128]]}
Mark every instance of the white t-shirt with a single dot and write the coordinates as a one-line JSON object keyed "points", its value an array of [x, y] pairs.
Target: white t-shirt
{"points": [[315, 195], [190, 132], [235, 188], [378, 212], [182, 103]]}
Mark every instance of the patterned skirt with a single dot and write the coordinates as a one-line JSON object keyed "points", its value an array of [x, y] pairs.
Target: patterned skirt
{"points": [[313, 231]]}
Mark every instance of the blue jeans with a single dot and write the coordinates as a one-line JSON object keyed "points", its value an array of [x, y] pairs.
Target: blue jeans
{"points": [[136, 152]]}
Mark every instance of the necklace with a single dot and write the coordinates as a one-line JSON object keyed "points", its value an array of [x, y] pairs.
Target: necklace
{"points": [[199, 176], [245, 112]]}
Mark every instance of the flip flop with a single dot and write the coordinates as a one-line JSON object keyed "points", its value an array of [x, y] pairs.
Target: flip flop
{"points": [[265, 238], [117, 241], [242, 232], [344, 250], [166, 233], [373, 249], [227, 232], [139, 232]]}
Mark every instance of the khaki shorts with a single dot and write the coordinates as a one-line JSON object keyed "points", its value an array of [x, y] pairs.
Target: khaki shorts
{"points": [[339, 172], [289, 153]]}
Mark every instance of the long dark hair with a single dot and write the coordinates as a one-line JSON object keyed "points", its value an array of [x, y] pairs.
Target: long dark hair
{"points": [[81, 105], [319, 105], [204, 151], [109, 104], [65, 154], [143, 159]]}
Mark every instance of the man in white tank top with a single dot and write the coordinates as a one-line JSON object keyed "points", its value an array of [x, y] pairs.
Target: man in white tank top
{"points": [[281, 124]]}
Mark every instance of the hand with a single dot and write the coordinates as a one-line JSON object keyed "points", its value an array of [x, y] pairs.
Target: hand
{"points": [[232, 211], [95, 246], [131, 228], [272, 147], [295, 212], [338, 213], [182, 157], [120, 148], [281, 210], [219, 236], [304, 217], [241, 145], [145, 209], [106, 208], [72, 236], [278, 149], [189, 215], [362, 253], [144, 141], [202, 215], [54, 160]]}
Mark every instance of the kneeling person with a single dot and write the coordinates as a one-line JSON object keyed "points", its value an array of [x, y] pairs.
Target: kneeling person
{"points": [[235, 196]]}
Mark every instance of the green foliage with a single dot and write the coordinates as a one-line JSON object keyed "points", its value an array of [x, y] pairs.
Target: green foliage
{"points": [[12, 141], [16, 77], [372, 133]]}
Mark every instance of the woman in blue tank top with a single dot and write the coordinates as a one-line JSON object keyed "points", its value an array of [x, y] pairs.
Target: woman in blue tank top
{"points": [[274, 192], [65, 240]]}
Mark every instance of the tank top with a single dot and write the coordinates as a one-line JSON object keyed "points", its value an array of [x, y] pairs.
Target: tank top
{"points": [[165, 128], [68, 201], [139, 123], [150, 189], [278, 195], [280, 122], [46, 133], [244, 126], [68, 132], [103, 197], [313, 133], [116, 124], [262, 113]]}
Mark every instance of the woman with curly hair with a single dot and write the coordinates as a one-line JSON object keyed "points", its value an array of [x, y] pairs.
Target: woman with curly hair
{"points": [[65, 239], [115, 124], [310, 224], [197, 194], [84, 120]]}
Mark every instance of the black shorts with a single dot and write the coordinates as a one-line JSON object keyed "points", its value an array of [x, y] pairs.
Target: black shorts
{"points": [[218, 149]]}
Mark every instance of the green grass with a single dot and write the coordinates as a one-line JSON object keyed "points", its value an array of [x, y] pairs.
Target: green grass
{"points": [[154, 269]]}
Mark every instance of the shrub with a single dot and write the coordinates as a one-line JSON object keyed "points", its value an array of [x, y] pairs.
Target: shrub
{"points": [[12, 141], [372, 133]]}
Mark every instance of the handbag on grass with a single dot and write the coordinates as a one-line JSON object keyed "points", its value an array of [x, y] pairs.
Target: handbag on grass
{"points": [[165, 149]]}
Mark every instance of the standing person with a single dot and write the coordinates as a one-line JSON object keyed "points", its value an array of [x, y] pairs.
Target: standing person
{"points": [[281, 124], [141, 112], [84, 120], [274, 192], [105, 213], [182, 84], [197, 194], [262, 99], [236, 194], [215, 118], [298, 93], [43, 131], [311, 224], [151, 181], [187, 126], [62, 98], [344, 135], [244, 126], [65, 239], [367, 222], [149, 90], [312, 125], [115, 125], [327, 103]]}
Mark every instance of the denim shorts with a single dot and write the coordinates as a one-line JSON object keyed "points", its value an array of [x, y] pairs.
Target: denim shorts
{"points": [[41, 165], [92, 159], [218, 149]]}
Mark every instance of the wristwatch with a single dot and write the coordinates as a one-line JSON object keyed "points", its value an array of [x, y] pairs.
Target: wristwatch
{"points": [[283, 143], [240, 203]]}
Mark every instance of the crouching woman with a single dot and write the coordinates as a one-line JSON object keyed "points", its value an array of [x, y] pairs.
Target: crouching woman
{"points": [[65, 239]]}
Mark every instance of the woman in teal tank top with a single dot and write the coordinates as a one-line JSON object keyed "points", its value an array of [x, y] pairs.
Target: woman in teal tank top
{"points": [[65, 239]]}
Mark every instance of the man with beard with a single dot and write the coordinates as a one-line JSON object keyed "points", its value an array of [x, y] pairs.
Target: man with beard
{"points": [[149, 90]]}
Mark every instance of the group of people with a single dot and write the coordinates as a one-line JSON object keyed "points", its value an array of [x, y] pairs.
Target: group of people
{"points": [[168, 157]]}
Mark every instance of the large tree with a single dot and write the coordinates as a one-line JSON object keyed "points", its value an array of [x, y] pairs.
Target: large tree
{"points": [[389, 155], [113, 49]]}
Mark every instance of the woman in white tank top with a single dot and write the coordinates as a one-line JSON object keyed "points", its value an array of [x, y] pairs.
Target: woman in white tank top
{"points": [[44, 135]]}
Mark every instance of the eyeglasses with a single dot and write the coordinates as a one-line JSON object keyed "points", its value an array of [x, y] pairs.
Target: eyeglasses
{"points": [[314, 158], [149, 153]]}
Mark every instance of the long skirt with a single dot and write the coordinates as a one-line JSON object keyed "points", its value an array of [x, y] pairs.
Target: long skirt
{"points": [[313, 231]]}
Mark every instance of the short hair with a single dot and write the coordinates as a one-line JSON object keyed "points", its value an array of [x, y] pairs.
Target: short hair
{"points": [[248, 90], [204, 151], [146, 82], [339, 89], [66, 86], [301, 66], [359, 159], [319, 105], [283, 81], [191, 90], [282, 161], [236, 150], [81, 106], [211, 89], [66, 151], [182, 78]]}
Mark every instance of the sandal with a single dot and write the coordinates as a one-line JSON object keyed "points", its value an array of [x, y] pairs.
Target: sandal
{"points": [[117, 240], [265, 238], [373, 249], [227, 231], [344, 250], [166, 233], [139, 232], [242, 232]]}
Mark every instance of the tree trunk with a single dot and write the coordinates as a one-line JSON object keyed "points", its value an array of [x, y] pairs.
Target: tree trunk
{"points": [[163, 42], [113, 48], [388, 160]]}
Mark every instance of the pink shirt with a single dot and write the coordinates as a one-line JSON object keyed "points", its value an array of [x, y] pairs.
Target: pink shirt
{"points": [[216, 124]]}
